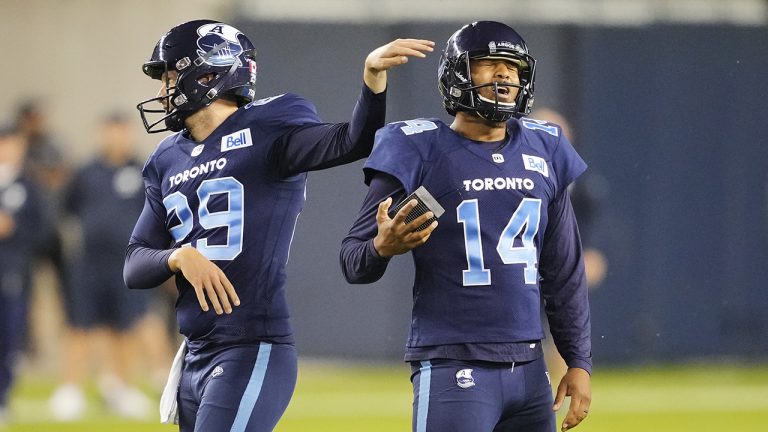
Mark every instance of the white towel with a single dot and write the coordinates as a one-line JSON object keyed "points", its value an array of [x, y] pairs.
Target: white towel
{"points": [[169, 409]]}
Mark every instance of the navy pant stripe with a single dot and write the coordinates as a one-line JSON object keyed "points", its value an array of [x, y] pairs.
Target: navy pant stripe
{"points": [[253, 389]]}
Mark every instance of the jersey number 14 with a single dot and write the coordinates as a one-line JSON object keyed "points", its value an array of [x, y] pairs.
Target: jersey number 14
{"points": [[524, 223]]}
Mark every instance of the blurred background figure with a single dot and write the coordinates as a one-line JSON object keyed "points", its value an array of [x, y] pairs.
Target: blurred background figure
{"points": [[585, 197], [47, 167], [107, 320], [20, 221]]}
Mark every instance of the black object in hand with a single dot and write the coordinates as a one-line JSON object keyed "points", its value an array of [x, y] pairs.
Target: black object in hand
{"points": [[426, 203]]}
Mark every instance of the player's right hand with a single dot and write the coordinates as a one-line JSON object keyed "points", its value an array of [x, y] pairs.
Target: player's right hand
{"points": [[396, 237], [576, 384], [206, 278]]}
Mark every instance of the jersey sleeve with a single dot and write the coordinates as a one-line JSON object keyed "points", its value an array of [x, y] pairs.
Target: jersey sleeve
{"points": [[360, 262], [396, 154], [284, 112], [564, 285], [150, 230], [146, 258], [566, 163], [305, 144]]}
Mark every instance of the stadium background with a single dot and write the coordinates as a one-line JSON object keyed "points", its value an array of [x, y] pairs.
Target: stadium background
{"points": [[667, 101]]}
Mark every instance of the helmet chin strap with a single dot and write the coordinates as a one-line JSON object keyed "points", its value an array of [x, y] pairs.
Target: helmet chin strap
{"points": [[495, 100], [494, 114]]}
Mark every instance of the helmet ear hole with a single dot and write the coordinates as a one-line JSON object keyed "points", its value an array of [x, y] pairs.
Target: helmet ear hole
{"points": [[207, 78]]}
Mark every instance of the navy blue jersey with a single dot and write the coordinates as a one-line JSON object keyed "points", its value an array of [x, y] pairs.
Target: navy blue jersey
{"points": [[508, 236], [20, 202], [106, 199], [20, 199], [236, 197]]}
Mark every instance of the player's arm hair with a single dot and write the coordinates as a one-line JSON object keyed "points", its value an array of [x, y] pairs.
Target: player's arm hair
{"points": [[360, 262]]}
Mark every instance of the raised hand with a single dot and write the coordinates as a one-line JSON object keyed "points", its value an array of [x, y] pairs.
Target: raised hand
{"points": [[390, 55]]}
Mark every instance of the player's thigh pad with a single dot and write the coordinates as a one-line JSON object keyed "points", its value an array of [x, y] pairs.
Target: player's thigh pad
{"points": [[245, 388]]}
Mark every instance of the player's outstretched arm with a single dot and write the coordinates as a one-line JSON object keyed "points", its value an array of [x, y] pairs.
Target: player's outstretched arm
{"points": [[390, 55], [314, 146], [206, 278], [576, 384], [396, 237]]}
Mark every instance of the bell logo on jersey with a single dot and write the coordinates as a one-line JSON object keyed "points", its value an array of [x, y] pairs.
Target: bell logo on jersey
{"points": [[464, 378], [234, 141], [218, 370], [535, 163]]}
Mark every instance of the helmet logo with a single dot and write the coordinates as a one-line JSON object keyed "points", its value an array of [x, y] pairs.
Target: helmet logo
{"points": [[492, 47], [212, 35], [507, 45]]}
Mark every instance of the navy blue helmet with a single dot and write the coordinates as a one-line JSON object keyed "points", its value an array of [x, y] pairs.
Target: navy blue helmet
{"points": [[197, 49], [485, 39]]}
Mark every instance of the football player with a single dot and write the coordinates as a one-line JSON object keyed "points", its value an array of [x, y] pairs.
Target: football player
{"points": [[223, 194], [508, 238]]}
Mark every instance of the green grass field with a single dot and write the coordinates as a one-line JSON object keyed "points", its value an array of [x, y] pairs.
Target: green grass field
{"points": [[341, 398]]}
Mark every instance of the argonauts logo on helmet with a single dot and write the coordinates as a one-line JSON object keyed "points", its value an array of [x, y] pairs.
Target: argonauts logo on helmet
{"points": [[510, 45], [214, 34]]}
